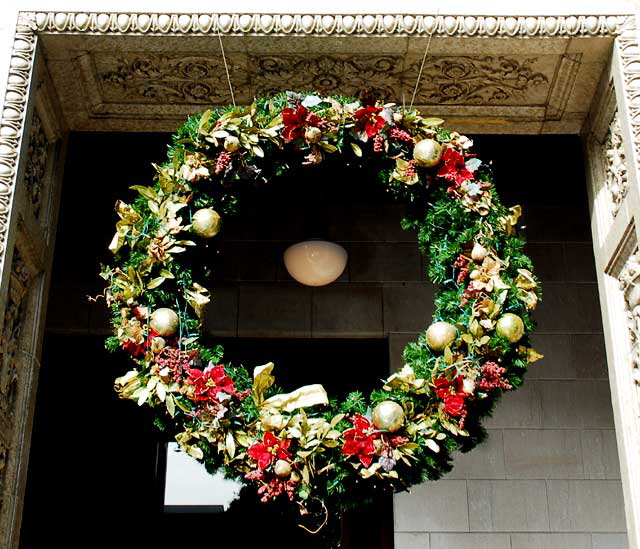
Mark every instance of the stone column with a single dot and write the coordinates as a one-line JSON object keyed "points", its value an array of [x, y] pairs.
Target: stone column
{"points": [[612, 145], [32, 144]]}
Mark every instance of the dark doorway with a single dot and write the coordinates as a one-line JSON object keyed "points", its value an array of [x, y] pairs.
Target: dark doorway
{"points": [[96, 473]]}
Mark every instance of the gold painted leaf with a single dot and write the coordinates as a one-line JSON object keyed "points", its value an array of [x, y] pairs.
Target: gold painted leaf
{"points": [[356, 149]]}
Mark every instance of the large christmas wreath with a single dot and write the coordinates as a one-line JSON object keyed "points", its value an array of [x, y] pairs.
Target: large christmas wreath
{"points": [[302, 444]]}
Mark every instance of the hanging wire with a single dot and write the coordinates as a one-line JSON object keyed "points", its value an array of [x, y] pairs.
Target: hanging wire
{"points": [[226, 67], [424, 59]]}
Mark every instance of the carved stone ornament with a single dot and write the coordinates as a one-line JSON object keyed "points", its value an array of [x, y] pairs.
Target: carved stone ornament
{"points": [[305, 24], [10, 338], [444, 80], [630, 285], [616, 167], [36, 166], [165, 79]]}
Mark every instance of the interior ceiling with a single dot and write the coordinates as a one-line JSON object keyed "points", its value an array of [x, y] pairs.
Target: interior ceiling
{"points": [[478, 84]]}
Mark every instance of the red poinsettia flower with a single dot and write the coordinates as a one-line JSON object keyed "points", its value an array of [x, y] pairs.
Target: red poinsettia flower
{"points": [[452, 394], [453, 167], [209, 382], [359, 440], [139, 349], [270, 449], [296, 121], [368, 120]]}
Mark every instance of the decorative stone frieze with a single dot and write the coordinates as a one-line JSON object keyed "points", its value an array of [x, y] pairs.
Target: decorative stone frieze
{"points": [[630, 285], [36, 167], [316, 24], [12, 325], [616, 168]]}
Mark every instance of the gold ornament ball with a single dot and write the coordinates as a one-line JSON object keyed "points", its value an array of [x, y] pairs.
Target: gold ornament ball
{"points": [[388, 416], [427, 153], [510, 327], [440, 335], [282, 468], [478, 253], [206, 222], [164, 322], [313, 134], [231, 143]]}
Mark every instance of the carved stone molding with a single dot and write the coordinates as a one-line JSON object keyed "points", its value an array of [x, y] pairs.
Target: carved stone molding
{"points": [[630, 285], [36, 166], [12, 326], [315, 24], [474, 80], [615, 178], [628, 48], [12, 121], [165, 79]]}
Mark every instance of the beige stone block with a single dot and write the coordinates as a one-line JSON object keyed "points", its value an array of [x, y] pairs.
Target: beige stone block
{"points": [[521, 408], [397, 343], [539, 453], [586, 506], [384, 262], [486, 461], [576, 404], [470, 541], [609, 541], [550, 541], [556, 224], [221, 315], [600, 454], [270, 311], [347, 310], [411, 540], [508, 505], [580, 262], [408, 307], [433, 507], [548, 260], [256, 261], [569, 356], [569, 308]]}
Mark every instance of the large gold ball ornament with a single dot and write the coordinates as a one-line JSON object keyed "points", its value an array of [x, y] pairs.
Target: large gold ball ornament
{"points": [[282, 468], [440, 335], [510, 327], [427, 153], [164, 322], [388, 416], [206, 222]]}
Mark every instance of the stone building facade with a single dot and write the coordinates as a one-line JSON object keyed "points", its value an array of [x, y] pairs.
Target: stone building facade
{"points": [[539, 73]]}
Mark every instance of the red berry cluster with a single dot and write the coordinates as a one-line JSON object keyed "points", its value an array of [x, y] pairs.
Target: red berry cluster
{"points": [[176, 360], [461, 263], [492, 377], [401, 135], [222, 162], [378, 143]]}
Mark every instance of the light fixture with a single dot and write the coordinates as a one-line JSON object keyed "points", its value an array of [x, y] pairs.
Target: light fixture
{"points": [[315, 262]]}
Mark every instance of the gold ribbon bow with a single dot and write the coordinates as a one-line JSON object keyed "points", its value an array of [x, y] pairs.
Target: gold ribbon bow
{"points": [[303, 397]]}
